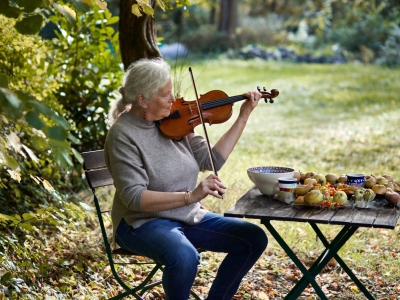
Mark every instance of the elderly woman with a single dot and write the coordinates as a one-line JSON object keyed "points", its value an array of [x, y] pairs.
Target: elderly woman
{"points": [[156, 210]]}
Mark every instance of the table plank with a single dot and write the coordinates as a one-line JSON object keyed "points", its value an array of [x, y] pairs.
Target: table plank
{"points": [[270, 209], [387, 218], [315, 215], [239, 209], [344, 216], [364, 217]]}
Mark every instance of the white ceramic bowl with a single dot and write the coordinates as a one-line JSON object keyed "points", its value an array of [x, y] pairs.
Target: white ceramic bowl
{"points": [[266, 178]]}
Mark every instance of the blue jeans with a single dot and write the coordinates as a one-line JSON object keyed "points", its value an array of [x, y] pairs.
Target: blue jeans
{"points": [[174, 244]]}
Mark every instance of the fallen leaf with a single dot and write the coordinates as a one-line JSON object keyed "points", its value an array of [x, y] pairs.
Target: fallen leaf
{"points": [[263, 296]]}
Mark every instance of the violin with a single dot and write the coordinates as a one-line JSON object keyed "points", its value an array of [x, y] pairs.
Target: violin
{"points": [[216, 108]]}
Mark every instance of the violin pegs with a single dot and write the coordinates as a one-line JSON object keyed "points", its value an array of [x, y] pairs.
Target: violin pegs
{"points": [[264, 89], [271, 101], [258, 88], [265, 100]]}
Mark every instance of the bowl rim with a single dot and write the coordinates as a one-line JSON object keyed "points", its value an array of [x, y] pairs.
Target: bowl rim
{"points": [[258, 170]]}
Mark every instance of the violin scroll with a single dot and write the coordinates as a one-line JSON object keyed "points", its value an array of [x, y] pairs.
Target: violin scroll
{"points": [[268, 95]]}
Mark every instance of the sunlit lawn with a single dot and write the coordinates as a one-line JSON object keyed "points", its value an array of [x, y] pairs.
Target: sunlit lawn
{"points": [[327, 119]]}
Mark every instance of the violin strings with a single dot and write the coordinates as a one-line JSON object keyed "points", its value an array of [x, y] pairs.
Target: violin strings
{"points": [[222, 101], [213, 103]]}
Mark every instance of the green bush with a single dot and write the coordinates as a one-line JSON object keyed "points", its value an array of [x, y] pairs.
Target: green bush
{"points": [[32, 134], [54, 94], [90, 71], [390, 51]]}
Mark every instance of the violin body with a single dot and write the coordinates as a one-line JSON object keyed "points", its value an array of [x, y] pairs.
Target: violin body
{"points": [[185, 115], [216, 107]]}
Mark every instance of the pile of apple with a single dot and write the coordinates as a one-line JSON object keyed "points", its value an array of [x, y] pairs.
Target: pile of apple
{"points": [[331, 190]]}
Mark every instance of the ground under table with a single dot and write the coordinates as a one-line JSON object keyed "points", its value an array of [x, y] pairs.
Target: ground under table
{"points": [[378, 214]]}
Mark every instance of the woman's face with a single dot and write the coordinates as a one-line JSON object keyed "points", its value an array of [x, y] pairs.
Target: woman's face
{"points": [[160, 105]]}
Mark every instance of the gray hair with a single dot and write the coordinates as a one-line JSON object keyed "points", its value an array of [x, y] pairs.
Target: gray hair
{"points": [[146, 77]]}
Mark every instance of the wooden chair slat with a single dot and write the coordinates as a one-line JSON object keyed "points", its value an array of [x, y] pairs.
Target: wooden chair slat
{"points": [[94, 159], [98, 178]]}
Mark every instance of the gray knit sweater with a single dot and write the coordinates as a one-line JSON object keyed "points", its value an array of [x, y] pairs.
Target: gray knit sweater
{"points": [[140, 158]]}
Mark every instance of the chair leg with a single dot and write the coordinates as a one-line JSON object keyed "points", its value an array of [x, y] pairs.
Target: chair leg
{"points": [[139, 290], [195, 295]]}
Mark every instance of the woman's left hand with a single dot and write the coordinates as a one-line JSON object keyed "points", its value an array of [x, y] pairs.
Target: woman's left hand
{"points": [[253, 98]]}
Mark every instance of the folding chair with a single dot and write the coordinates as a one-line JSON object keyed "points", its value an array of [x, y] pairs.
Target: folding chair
{"points": [[98, 176]]}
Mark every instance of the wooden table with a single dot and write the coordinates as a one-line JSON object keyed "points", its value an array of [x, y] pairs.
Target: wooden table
{"points": [[378, 214]]}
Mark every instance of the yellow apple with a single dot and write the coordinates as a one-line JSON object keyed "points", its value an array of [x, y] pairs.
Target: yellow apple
{"points": [[331, 178], [340, 197], [310, 180], [369, 195], [321, 180], [379, 189]]}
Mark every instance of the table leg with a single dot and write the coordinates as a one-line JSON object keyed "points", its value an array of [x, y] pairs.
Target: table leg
{"points": [[342, 263], [295, 292], [324, 258]]}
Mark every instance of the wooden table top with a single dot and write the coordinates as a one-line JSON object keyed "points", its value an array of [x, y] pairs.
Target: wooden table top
{"points": [[254, 205]]}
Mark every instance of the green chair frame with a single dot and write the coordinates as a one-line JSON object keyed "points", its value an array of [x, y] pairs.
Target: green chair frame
{"points": [[97, 175]]}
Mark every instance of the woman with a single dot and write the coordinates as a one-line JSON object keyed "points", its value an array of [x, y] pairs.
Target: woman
{"points": [[156, 210]]}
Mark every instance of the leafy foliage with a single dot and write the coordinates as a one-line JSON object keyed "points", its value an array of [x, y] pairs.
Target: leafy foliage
{"points": [[33, 132], [391, 49], [86, 54]]}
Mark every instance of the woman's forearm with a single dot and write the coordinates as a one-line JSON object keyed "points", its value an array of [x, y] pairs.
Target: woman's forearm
{"points": [[227, 142], [153, 201]]}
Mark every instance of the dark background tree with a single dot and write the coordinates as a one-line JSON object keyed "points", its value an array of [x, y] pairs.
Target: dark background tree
{"points": [[137, 35]]}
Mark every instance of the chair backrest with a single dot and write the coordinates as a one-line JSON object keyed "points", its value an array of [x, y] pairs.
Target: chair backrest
{"points": [[97, 174]]}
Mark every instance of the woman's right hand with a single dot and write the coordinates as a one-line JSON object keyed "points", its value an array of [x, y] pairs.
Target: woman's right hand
{"points": [[212, 185]]}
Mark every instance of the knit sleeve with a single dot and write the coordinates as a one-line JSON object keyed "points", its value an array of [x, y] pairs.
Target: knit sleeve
{"points": [[198, 144], [124, 162]]}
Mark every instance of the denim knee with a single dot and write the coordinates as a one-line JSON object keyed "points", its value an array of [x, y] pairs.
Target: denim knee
{"points": [[184, 260], [257, 238]]}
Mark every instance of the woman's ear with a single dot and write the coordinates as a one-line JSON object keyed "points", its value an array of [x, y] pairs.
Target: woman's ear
{"points": [[141, 101]]}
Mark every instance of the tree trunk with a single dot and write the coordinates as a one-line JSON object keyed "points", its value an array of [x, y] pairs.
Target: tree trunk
{"points": [[227, 21], [137, 35]]}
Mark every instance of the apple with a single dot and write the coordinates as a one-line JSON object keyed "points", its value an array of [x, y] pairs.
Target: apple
{"points": [[331, 178], [382, 180], [388, 177], [310, 180], [392, 197], [359, 194], [340, 197], [321, 180], [379, 189], [313, 197], [389, 185], [342, 178], [369, 195], [370, 181], [309, 175], [302, 176], [297, 175]]}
